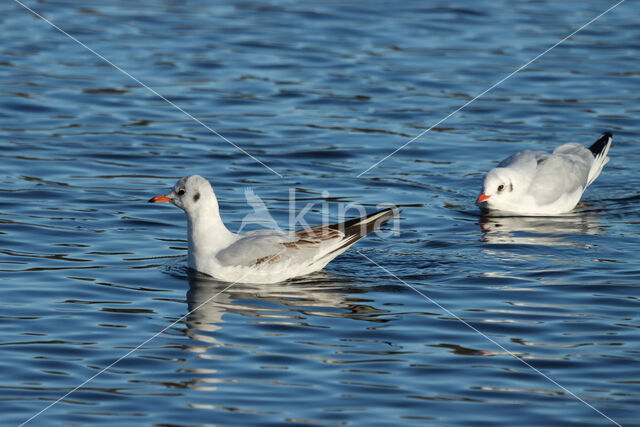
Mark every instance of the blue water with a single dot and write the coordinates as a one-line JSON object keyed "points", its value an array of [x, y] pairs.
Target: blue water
{"points": [[318, 93]]}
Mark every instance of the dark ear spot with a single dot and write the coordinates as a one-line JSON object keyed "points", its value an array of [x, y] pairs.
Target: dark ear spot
{"points": [[510, 187], [196, 197]]}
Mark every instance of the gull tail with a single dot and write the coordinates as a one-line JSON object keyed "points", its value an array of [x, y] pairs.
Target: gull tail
{"points": [[355, 229], [599, 149]]}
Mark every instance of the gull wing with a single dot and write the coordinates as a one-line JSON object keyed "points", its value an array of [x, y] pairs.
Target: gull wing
{"points": [[257, 248], [562, 173], [307, 246]]}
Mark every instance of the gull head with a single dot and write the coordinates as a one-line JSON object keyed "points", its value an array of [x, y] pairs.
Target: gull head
{"points": [[190, 194], [498, 190]]}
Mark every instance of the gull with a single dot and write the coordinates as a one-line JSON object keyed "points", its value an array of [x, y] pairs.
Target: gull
{"points": [[539, 183], [260, 256]]}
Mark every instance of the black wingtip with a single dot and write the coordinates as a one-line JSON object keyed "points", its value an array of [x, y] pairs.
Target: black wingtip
{"points": [[355, 229], [385, 214], [599, 146]]}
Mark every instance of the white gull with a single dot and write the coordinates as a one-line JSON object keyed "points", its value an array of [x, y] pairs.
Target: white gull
{"points": [[262, 256], [540, 183]]}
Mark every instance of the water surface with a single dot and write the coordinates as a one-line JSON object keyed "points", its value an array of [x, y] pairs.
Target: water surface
{"points": [[319, 93]]}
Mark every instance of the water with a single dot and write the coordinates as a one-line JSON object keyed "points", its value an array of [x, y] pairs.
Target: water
{"points": [[319, 93]]}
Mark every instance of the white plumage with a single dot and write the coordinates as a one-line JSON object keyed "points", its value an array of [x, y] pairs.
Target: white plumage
{"points": [[263, 256], [540, 183]]}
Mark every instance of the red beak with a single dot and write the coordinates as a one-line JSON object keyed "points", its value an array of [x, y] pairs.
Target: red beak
{"points": [[482, 198], [160, 199]]}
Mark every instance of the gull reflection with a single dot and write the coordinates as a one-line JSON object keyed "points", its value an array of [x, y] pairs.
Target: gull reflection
{"points": [[220, 312], [548, 231], [296, 302]]}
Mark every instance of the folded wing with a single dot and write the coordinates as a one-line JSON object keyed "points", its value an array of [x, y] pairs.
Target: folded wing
{"points": [[308, 246], [561, 174]]}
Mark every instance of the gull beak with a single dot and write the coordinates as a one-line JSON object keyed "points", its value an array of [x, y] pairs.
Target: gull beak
{"points": [[482, 198], [158, 199]]}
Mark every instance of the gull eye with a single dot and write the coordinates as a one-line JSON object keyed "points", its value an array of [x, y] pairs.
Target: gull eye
{"points": [[500, 187], [181, 192]]}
